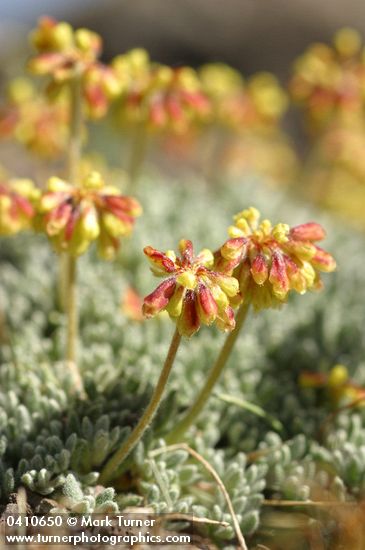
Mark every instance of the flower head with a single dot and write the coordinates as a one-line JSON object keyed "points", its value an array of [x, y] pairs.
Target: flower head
{"points": [[75, 215], [270, 261], [64, 53], [164, 98], [34, 121], [330, 80], [18, 198], [338, 386], [133, 71], [255, 104], [192, 294]]}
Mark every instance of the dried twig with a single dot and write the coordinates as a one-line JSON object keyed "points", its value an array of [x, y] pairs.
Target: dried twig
{"points": [[307, 503], [214, 474], [193, 519]]}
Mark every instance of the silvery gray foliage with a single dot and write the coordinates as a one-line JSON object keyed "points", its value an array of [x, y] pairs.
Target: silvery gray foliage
{"points": [[169, 482], [55, 444], [295, 471], [72, 498]]}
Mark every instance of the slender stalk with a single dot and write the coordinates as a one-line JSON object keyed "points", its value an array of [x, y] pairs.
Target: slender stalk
{"points": [[193, 413], [76, 122], [72, 317], [62, 281], [68, 284], [110, 469], [138, 153]]}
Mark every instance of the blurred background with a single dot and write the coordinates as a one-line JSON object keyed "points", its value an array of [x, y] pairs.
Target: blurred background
{"points": [[250, 35]]}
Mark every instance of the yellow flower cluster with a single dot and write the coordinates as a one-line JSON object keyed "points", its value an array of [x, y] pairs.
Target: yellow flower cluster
{"points": [[329, 81], [158, 96], [270, 261], [73, 216], [64, 54], [257, 103], [193, 294], [37, 123], [339, 388]]}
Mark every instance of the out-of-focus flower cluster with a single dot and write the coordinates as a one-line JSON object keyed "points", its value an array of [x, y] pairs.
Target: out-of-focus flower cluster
{"points": [[339, 389], [329, 85], [256, 104], [336, 180], [329, 81], [18, 202], [270, 261], [246, 119], [64, 54], [157, 96], [193, 293], [30, 118], [75, 215]]}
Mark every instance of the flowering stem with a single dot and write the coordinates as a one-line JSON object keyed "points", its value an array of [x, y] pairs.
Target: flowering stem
{"points": [[201, 400], [76, 120], [72, 317], [110, 469], [68, 283], [138, 152]]}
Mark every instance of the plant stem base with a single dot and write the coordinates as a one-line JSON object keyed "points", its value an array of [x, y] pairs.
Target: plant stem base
{"points": [[177, 434], [111, 468]]}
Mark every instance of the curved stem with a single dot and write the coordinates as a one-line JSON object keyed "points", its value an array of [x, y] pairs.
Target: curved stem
{"points": [[110, 469], [193, 413], [72, 317]]}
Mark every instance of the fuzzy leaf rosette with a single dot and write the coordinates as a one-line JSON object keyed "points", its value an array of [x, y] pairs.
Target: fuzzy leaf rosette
{"points": [[270, 261], [73, 216], [193, 294]]}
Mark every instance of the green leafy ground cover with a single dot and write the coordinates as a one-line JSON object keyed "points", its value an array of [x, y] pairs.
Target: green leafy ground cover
{"points": [[55, 443]]}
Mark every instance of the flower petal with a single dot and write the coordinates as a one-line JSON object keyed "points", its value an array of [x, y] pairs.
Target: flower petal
{"points": [[175, 304], [259, 269], [226, 320], [234, 249], [278, 276], [159, 259], [206, 305], [186, 250], [323, 261], [159, 298], [188, 322], [228, 284], [310, 231]]}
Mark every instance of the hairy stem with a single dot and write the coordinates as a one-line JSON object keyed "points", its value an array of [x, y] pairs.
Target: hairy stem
{"points": [[111, 468], [72, 316], [76, 122], [138, 153], [68, 285], [202, 398]]}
